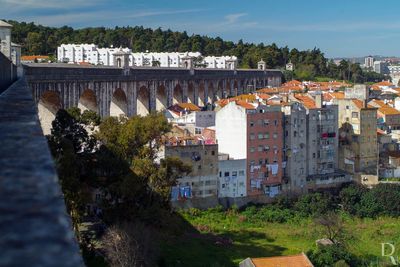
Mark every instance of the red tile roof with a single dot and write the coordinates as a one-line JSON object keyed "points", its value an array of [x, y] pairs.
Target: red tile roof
{"points": [[307, 101], [29, 58], [383, 83], [245, 104], [300, 260], [360, 104]]}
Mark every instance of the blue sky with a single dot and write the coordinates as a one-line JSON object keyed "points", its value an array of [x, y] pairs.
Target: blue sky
{"points": [[340, 28]]}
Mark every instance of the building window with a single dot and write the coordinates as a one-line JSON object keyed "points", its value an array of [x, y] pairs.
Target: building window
{"points": [[213, 153], [241, 173], [354, 114], [252, 136], [275, 135], [275, 122], [260, 148], [266, 122], [252, 149], [251, 123], [260, 136], [313, 155], [234, 173], [266, 135], [226, 174]]}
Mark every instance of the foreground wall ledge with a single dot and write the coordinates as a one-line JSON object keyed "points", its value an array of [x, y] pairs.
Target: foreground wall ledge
{"points": [[35, 229]]}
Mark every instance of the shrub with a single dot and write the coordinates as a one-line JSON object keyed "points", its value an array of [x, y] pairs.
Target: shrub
{"points": [[330, 255], [350, 198], [314, 204]]}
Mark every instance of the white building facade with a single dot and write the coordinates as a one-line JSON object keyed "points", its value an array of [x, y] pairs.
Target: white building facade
{"points": [[91, 53], [232, 178]]}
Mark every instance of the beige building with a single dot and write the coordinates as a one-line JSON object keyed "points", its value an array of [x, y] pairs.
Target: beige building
{"points": [[203, 180], [358, 147]]}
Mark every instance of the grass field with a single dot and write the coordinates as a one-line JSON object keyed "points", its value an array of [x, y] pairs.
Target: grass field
{"points": [[225, 238]]}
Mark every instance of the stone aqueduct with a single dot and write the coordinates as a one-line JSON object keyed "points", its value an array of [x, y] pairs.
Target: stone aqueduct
{"points": [[113, 91]]}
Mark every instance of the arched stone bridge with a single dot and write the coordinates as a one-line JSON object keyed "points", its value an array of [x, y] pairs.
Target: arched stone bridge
{"points": [[113, 91]]}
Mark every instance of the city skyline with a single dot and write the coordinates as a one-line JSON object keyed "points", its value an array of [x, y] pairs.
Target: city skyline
{"points": [[339, 29]]}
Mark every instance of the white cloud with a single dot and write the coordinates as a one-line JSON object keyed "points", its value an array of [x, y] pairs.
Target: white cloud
{"points": [[40, 4], [232, 18], [90, 18]]}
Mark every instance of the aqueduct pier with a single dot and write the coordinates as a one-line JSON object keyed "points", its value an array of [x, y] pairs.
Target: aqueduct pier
{"points": [[112, 91]]}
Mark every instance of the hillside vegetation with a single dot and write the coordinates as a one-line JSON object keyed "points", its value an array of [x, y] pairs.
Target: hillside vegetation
{"points": [[42, 40]]}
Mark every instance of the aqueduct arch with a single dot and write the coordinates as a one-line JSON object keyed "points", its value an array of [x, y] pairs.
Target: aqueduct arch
{"points": [[177, 95], [119, 103], [161, 98], [235, 88], [210, 93], [49, 104], [201, 95], [191, 98], [220, 91], [88, 101], [143, 101]]}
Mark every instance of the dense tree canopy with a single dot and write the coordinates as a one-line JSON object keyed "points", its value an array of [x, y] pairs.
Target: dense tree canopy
{"points": [[38, 39]]}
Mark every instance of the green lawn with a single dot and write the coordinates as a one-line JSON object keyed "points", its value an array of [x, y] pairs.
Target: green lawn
{"points": [[225, 238]]}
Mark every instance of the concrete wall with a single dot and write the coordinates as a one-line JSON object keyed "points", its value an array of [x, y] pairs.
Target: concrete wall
{"points": [[8, 72]]}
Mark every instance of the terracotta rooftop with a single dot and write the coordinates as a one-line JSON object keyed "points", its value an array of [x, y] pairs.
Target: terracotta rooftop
{"points": [[383, 83], [388, 111], [188, 106], [360, 104], [300, 260], [384, 108], [263, 96], [292, 83], [307, 101], [245, 104], [26, 58], [333, 95]]}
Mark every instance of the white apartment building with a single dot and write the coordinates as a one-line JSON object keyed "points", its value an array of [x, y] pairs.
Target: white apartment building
{"points": [[380, 67], [369, 62], [232, 178], [163, 59], [91, 53]]}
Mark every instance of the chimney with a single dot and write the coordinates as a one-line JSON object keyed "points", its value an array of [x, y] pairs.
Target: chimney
{"points": [[318, 99]]}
